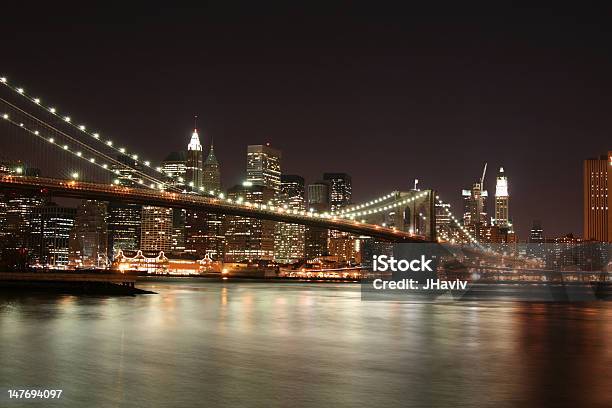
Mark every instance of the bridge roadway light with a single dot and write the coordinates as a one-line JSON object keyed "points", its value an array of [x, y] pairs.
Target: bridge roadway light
{"points": [[52, 110], [5, 116], [75, 175], [67, 118], [20, 90], [3, 80], [37, 101]]}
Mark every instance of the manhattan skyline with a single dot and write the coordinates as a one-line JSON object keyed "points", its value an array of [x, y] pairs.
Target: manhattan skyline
{"points": [[385, 98]]}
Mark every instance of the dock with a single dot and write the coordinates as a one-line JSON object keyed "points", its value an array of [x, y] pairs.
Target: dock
{"points": [[74, 282]]}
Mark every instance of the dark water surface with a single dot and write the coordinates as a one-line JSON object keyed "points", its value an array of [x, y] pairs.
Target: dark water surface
{"points": [[211, 344]]}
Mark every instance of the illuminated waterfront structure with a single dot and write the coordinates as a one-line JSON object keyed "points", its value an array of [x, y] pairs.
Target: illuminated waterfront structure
{"points": [[264, 167], [289, 238], [156, 229], [597, 198], [502, 198], [193, 166], [124, 221], [249, 239], [89, 237]]}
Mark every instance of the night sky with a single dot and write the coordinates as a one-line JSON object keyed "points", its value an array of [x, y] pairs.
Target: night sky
{"points": [[385, 95]]}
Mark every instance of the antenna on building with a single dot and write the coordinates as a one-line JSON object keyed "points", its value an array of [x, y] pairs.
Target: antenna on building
{"points": [[195, 122]]}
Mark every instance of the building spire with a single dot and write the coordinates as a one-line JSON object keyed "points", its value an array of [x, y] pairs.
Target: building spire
{"points": [[194, 143]]}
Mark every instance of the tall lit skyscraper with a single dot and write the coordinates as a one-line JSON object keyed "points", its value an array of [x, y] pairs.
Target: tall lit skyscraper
{"points": [[502, 198], [204, 231], [316, 239], [597, 198], [340, 189], [289, 238], [204, 234], [211, 178], [179, 219], [193, 167], [342, 245], [156, 229], [52, 234], [249, 239], [124, 222], [536, 240], [475, 207], [89, 237], [264, 167]]}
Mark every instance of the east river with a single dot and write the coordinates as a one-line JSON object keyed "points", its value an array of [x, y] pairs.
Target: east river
{"points": [[200, 343]]}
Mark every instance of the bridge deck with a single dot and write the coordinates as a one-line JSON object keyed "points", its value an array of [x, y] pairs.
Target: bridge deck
{"points": [[106, 192]]}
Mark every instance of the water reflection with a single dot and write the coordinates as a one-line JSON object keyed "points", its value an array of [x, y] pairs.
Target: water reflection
{"points": [[211, 344]]}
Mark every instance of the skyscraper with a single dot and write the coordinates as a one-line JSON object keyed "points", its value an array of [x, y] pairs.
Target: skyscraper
{"points": [[204, 234], [475, 207], [179, 220], [289, 238], [204, 231], [124, 222], [89, 237], [341, 244], [127, 172], [174, 168], [536, 234], [51, 232], [211, 178], [316, 238], [264, 167], [156, 229], [249, 238], [597, 198], [340, 189], [501, 200], [193, 166]]}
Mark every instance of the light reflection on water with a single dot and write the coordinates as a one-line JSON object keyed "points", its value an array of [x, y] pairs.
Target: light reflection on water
{"points": [[203, 343]]}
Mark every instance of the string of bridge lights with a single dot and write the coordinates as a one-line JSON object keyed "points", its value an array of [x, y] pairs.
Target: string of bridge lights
{"points": [[84, 145], [68, 119], [367, 204], [385, 207], [457, 223], [77, 153]]}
